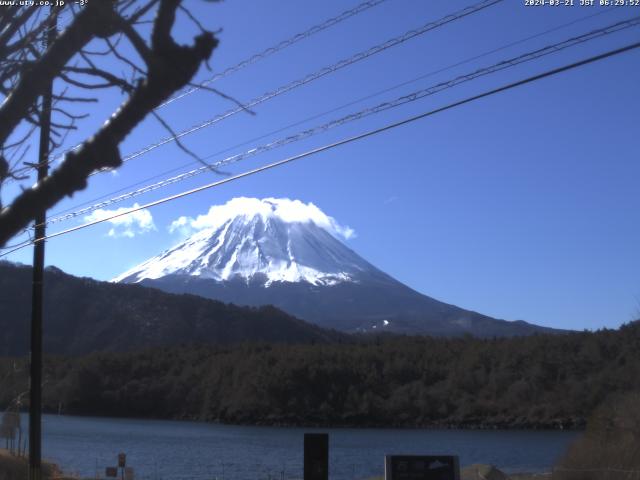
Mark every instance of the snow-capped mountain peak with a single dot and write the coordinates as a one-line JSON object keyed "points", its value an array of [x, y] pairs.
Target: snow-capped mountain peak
{"points": [[268, 240], [294, 249]]}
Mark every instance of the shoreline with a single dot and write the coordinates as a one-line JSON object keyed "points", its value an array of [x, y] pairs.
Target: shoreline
{"points": [[13, 467], [487, 426], [519, 466]]}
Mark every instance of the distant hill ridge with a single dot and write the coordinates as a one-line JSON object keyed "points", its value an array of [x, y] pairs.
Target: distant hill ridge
{"points": [[83, 315]]}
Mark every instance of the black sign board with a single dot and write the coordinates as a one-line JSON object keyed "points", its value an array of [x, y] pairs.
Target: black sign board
{"points": [[111, 472], [316, 456], [421, 467]]}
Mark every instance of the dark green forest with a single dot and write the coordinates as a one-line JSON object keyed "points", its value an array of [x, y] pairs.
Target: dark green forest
{"points": [[540, 381]]}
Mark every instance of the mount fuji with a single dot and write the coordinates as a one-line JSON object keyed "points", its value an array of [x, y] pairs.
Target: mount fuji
{"points": [[289, 254]]}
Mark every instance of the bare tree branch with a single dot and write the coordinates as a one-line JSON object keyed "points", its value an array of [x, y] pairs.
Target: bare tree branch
{"points": [[182, 146], [169, 68], [88, 24]]}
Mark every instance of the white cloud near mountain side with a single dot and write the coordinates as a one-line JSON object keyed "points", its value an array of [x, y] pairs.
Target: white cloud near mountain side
{"points": [[287, 210], [130, 225]]}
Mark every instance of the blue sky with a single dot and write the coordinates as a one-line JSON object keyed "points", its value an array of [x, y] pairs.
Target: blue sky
{"points": [[520, 206]]}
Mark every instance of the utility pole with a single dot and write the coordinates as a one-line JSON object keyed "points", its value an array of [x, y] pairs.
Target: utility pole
{"points": [[35, 392]]}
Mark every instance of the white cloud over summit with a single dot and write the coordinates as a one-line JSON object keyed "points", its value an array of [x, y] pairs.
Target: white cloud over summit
{"points": [[285, 209]]}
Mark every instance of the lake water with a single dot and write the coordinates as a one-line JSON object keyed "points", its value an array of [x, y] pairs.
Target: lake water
{"points": [[173, 450]]}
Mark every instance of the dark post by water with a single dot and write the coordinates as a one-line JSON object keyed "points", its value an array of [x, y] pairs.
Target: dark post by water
{"points": [[35, 405], [316, 456]]}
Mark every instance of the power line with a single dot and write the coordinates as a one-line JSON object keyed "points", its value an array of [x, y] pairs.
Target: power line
{"points": [[345, 141], [280, 46], [403, 100], [348, 104], [314, 76], [360, 8]]}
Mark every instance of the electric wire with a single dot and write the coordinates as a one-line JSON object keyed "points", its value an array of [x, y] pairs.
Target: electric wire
{"points": [[326, 112], [314, 76], [360, 8], [345, 141], [276, 48], [414, 96]]}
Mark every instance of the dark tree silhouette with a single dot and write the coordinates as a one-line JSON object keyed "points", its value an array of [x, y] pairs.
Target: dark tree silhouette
{"points": [[159, 68]]}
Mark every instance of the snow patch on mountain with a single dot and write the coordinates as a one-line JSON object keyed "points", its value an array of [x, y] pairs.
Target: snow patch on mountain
{"points": [[269, 240]]}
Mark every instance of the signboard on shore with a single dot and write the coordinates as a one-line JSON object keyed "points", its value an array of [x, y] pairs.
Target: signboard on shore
{"points": [[111, 472], [421, 467]]}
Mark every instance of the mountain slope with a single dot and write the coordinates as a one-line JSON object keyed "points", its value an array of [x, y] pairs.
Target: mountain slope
{"points": [[286, 253], [84, 315], [354, 307]]}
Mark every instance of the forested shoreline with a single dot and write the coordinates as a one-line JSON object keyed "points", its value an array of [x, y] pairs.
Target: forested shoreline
{"points": [[540, 381]]}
